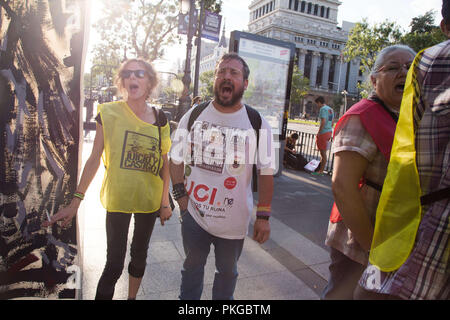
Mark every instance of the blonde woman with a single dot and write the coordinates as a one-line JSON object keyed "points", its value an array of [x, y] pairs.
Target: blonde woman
{"points": [[134, 139]]}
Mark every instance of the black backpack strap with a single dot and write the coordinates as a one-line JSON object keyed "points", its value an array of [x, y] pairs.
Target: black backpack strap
{"points": [[434, 196], [161, 121], [256, 121], [195, 113], [158, 124]]}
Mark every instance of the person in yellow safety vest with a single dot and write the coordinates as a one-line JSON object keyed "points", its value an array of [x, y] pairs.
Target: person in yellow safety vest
{"points": [[409, 257], [133, 139], [362, 143]]}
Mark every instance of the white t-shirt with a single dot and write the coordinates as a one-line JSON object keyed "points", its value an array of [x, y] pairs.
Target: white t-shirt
{"points": [[218, 155]]}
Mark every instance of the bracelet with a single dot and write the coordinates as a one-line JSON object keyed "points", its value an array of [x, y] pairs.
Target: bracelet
{"points": [[79, 195], [179, 191], [262, 217], [164, 207]]}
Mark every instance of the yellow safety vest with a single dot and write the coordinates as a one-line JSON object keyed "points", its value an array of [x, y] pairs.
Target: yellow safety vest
{"points": [[132, 158], [399, 210]]}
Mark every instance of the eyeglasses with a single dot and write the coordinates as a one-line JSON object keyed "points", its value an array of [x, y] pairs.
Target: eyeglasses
{"points": [[395, 67], [125, 74], [220, 73]]}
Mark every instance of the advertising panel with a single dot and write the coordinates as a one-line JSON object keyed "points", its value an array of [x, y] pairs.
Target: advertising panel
{"points": [[42, 45], [271, 64]]}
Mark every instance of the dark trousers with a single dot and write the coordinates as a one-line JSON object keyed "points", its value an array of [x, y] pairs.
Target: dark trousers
{"points": [[344, 276], [117, 224]]}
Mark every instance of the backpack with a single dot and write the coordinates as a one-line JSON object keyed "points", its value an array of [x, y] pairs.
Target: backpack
{"points": [[255, 120]]}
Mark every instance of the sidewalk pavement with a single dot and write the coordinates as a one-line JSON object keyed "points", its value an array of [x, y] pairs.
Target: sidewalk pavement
{"points": [[289, 266]]}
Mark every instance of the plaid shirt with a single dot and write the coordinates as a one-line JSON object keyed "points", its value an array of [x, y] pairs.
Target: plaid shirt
{"points": [[426, 272], [353, 137]]}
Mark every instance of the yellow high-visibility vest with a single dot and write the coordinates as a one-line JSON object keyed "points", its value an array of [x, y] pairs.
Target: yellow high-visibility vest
{"points": [[399, 210], [132, 158]]}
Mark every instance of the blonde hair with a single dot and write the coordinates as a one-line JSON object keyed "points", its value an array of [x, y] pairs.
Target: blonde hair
{"points": [[149, 69]]}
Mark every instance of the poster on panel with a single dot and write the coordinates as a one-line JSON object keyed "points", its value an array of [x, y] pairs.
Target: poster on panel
{"points": [[41, 61], [271, 64]]}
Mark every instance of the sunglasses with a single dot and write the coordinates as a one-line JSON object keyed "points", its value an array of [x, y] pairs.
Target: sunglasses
{"points": [[125, 74]]}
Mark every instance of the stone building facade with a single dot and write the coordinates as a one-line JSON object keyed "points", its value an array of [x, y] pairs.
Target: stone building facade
{"points": [[312, 25]]}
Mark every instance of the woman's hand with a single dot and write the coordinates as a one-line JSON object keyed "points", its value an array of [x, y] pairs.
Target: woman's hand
{"points": [[66, 214], [165, 213]]}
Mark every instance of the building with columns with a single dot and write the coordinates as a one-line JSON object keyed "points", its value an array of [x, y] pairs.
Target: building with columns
{"points": [[312, 26], [210, 54]]}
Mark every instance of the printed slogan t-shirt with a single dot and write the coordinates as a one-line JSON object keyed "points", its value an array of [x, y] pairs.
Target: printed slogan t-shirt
{"points": [[132, 159], [218, 155]]}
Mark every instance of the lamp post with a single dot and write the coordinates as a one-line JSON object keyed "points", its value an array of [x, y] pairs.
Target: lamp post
{"points": [[199, 45], [344, 93], [184, 102]]}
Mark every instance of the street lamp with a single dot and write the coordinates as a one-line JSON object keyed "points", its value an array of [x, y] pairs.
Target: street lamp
{"points": [[344, 93], [184, 102]]}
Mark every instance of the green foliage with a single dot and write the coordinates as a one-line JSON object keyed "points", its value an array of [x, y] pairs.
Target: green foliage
{"points": [[423, 33], [143, 27], [207, 79], [300, 86], [364, 41], [336, 102]]}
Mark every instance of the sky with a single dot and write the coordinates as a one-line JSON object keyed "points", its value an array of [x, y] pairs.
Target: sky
{"points": [[236, 16]]}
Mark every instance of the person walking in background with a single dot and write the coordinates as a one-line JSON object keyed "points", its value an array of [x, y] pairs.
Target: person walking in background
{"points": [[362, 143], [413, 263], [134, 139], [196, 101], [211, 169], [326, 115]]}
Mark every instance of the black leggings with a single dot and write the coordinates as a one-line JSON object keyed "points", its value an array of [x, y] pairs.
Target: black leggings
{"points": [[117, 224]]}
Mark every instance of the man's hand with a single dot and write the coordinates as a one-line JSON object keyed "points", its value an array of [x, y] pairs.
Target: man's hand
{"points": [[261, 230]]}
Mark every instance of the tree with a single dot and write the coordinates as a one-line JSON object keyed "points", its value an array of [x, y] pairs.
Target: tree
{"points": [[299, 89], [207, 78], [424, 33], [364, 42], [145, 27]]}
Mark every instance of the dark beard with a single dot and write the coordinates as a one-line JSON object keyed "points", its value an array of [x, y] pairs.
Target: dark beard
{"points": [[236, 96]]}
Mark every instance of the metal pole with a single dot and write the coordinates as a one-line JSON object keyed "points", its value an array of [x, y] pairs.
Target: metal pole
{"points": [[199, 46], [184, 100]]}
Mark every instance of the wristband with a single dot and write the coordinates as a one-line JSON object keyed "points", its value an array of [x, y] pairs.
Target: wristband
{"points": [[263, 211], [79, 195], [179, 191]]}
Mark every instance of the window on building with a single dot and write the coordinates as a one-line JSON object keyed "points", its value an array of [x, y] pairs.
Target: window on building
{"points": [[316, 9], [290, 4], [308, 61], [309, 7], [322, 11], [302, 8], [296, 5], [328, 13]]}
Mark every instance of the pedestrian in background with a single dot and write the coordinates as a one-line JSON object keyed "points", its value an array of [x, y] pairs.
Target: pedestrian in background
{"points": [[326, 115], [134, 139], [217, 205], [362, 143], [196, 101], [420, 257]]}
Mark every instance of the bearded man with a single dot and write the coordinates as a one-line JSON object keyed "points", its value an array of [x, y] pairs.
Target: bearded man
{"points": [[211, 169]]}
